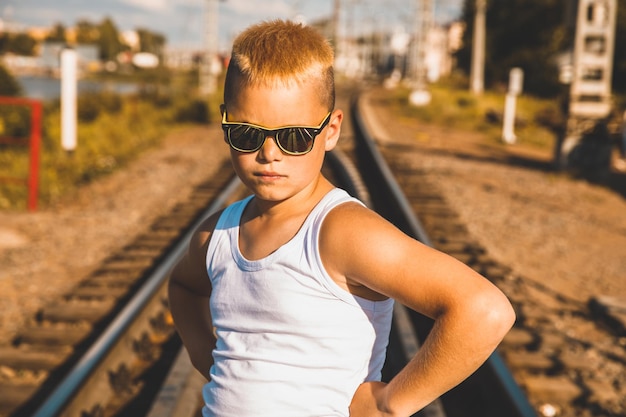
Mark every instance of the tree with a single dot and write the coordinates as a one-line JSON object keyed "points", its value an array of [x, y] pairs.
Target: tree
{"points": [[8, 84], [18, 44], [23, 44], [528, 34], [57, 34], [109, 40], [151, 42], [87, 32], [4, 43]]}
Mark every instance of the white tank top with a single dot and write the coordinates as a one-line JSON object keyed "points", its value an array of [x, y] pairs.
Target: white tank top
{"points": [[290, 341]]}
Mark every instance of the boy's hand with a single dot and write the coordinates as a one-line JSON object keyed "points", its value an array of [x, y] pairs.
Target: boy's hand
{"points": [[367, 400]]}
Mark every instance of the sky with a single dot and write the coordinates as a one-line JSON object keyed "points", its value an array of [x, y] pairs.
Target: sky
{"points": [[181, 21]]}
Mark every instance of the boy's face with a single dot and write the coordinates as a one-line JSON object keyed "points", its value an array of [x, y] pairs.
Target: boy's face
{"points": [[270, 173]]}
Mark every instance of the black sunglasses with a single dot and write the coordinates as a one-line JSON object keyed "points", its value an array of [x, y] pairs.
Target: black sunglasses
{"points": [[292, 140]]}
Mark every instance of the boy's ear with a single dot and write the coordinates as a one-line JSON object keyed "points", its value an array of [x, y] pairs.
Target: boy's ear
{"points": [[334, 129]]}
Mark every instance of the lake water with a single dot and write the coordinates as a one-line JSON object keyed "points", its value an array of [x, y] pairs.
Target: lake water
{"points": [[44, 88]]}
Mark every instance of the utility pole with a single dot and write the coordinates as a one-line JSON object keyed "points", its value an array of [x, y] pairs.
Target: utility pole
{"points": [[477, 73], [210, 66], [335, 24], [423, 23]]}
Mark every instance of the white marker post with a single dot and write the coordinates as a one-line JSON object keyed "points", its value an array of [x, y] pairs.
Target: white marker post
{"points": [[515, 88], [68, 99]]}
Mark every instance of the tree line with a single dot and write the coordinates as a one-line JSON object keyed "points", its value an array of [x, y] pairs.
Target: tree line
{"points": [[532, 35], [105, 35]]}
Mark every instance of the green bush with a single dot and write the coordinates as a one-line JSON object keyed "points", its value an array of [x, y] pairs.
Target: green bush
{"points": [[8, 84], [111, 102], [536, 119], [112, 130], [91, 104], [14, 121], [193, 111], [107, 142], [87, 107]]}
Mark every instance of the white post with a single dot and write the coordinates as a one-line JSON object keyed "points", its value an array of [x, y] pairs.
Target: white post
{"points": [[68, 99], [210, 66], [420, 96], [477, 72], [515, 88]]}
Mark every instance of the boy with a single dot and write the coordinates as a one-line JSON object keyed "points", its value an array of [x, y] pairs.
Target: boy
{"points": [[291, 289]]}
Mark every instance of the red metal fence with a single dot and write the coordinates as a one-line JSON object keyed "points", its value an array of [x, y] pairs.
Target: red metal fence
{"points": [[33, 143]]}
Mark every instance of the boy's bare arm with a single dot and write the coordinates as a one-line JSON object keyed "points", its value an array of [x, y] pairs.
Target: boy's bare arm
{"points": [[471, 314], [189, 292]]}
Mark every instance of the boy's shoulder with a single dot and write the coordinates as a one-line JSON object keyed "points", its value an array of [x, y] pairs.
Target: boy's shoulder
{"points": [[202, 233], [352, 230], [350, 219], [204, 230], [190, 271]]}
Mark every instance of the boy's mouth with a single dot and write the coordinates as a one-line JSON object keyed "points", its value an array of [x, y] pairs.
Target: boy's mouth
{"points": [[270, 175]]}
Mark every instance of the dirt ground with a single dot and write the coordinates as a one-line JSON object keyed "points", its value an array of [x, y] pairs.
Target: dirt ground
{"points": [[565, 232], [45, 253]]}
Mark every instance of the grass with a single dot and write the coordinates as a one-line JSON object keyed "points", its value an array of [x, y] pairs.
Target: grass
{"points": [[460, 109], [108, 138], [103, 145], [115, 131]]}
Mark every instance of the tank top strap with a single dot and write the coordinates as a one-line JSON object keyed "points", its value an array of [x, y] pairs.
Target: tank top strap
{"points": [[227, 224], [332, 199], [231, 216]]}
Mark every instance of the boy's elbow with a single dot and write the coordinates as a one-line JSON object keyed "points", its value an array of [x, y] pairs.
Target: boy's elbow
{"points": [[498, 315], [505, 319]]}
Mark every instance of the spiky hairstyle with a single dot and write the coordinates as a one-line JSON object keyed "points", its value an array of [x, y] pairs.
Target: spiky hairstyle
{"points": [[279, 52]]}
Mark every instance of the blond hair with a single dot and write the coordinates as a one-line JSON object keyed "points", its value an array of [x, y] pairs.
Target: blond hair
{"points": [[276, 53]]}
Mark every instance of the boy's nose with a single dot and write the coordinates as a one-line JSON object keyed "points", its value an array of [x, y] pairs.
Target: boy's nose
{"points": [[270, 150]]}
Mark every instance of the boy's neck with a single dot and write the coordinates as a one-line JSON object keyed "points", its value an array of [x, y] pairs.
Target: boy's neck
{"points": [[267, 225], [301, 203]]}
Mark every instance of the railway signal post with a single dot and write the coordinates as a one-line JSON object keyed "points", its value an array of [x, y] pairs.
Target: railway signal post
{"points": [[585, 143]]}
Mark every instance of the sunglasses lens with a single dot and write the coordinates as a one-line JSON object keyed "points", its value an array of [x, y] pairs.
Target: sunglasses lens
{"points": [[295, 140], [245, 138]]}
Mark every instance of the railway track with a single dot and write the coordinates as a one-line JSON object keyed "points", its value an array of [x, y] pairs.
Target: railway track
{"points": [[69, 334], [566, 354], [108, 348]]}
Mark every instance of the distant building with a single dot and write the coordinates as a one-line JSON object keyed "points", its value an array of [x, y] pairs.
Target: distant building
{"points": [[21, 65], [181, 59], [443, 42], [383, 53], [130, 38], [456, 30], [50, 54], [48, 62], [88, 57]]}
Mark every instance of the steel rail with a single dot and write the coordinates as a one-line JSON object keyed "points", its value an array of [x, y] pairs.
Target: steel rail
{"points": [[61, 397], [179, 395], [175, 399], [402, 326], [399, 211], [396, 207]]}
